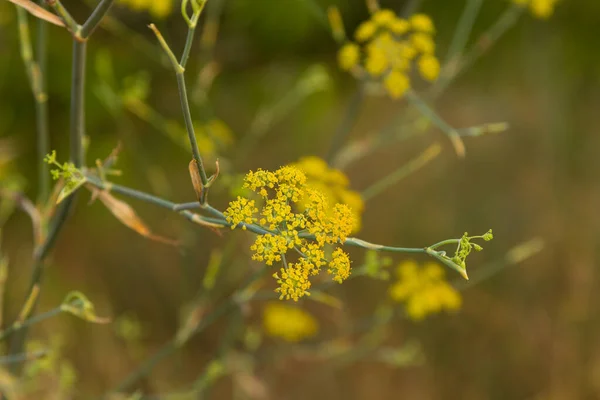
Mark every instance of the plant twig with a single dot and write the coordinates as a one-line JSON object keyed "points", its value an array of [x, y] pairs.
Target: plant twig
{"points": [[94, 20], [185, 107], [18, 326], [234, 301], [463, 29], [394, 177], [458, 65], [348, 121], [426, 110]]}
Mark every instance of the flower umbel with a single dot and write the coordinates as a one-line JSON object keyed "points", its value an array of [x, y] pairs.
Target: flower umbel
{"points": [[388, 47], [290, 323], [424, 290], [333, 184], [299, 221]]}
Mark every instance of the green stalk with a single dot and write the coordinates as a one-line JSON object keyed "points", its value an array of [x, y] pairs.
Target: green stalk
{"points": [[77, 155], [348, 121], [405, 170], [41, 110], [27, 323], [94, 20], [463, 30]]}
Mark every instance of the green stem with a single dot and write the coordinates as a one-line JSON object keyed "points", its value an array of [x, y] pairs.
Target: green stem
{"points": [[78, 104], [463, 30], [41, 111], [76, 136], [27, 323], [62, 12], [188, 46], [189, 125], [429, 113], [171, 347], [94, 20], [36, 72], [185, 106], [17, 358], [405, 170], [348, 121], [484, 43]]}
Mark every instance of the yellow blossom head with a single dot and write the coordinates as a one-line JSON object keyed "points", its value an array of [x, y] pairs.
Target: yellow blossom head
{"points": [[296, 223], [423, 290], [289, 323], [388, 46]]}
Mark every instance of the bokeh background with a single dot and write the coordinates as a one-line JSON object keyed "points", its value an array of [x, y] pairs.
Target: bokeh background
{"points": [[529, 332]]}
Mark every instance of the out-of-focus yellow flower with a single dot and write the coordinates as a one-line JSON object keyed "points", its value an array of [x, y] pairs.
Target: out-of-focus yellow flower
{"points": [[299, 224], [539, 8], [429, 66], [289, 323], [333, 184], [349, 56], [424, 290], [156, 8], [387, 47]]}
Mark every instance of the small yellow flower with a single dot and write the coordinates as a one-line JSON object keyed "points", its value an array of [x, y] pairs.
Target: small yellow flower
{"points": [[423, 43], [400, 26], [542, 8], [157, 8], [349, 56], [289, 323], [269, 248], [333, 184], [365, 31], [384, 18], [293, 283], [339, 266], [429, 67], [422, 23], [424, 290], [241, 210], [396, 84]]}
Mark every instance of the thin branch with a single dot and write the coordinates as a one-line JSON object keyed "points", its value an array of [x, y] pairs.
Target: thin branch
{"points": [[459, 65], [41, 110], [94, 20], [405, 170], [17, 358], [348, 121], [69, 21], [463, 30], [429, 112], [16, 327], [185, 107]]}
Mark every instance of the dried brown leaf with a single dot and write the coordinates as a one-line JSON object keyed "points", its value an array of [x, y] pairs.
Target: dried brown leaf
{"points": [[127, 215], [38, 11]]}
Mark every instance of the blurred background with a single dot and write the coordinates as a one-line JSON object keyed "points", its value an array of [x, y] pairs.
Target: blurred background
{"points": [[531, 331]]}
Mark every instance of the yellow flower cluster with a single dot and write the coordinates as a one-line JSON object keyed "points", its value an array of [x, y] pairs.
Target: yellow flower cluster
{"points": [[333, 184], [540, 8], [297, 217], [156, 8], [292, 324], [387, 46], [424, 290]]}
